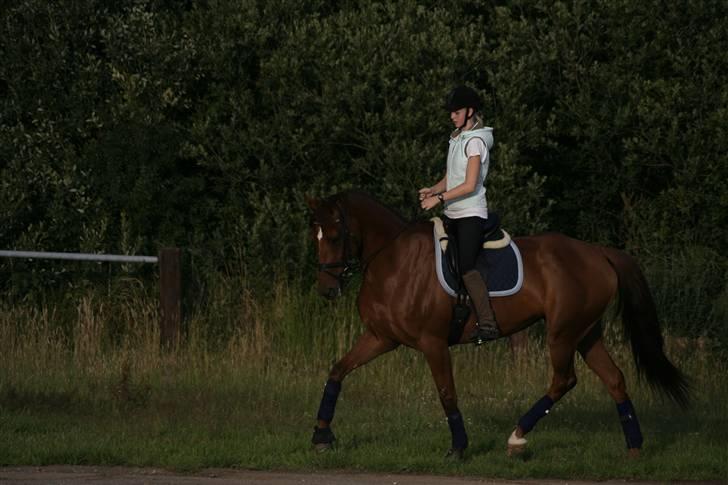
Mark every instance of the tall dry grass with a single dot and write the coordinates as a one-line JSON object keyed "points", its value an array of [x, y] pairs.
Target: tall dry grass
{"points": [[106, 346]]}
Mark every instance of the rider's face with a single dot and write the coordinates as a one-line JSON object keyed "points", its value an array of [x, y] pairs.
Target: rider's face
{"points": [[458, 117]]}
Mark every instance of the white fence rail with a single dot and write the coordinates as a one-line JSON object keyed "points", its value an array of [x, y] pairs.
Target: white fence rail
{"points": [[170, 282], [112, 258]]}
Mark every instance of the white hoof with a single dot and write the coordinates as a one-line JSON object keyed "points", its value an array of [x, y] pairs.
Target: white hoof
{"points": [[516, 445]]}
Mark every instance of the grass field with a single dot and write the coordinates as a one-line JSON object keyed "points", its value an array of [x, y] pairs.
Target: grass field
{"points": [[91, 387]]}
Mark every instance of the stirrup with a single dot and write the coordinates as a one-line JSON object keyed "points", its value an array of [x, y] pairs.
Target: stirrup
{"points": [[484, 333]]}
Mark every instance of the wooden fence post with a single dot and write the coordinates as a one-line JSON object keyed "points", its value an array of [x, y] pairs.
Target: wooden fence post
{"points": [[170, 297]]}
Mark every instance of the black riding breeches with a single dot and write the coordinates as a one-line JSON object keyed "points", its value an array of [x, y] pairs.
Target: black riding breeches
{"points": [[468, 233]]}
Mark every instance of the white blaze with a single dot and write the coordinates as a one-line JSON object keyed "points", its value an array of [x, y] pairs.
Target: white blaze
{"points": [[320, 234]]}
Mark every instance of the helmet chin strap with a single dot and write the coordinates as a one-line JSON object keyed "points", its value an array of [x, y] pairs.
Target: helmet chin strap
{"points": [[467, 118]]}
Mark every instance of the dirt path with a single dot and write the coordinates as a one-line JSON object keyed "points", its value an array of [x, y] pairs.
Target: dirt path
{"points": [[64, 474]]}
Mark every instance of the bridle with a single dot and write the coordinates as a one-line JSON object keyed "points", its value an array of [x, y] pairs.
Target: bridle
{"points": [[349, 262]]}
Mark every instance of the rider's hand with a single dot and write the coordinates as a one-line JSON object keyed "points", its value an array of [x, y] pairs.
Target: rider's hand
{"points": [[429, 202], [425, 192]]}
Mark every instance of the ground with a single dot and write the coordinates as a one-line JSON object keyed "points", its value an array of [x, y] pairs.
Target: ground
{"points": [[65, 474]]}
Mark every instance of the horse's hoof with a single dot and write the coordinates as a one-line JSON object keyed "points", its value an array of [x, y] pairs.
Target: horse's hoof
{"points": [[323, 439], [633, 453], [516, 445], [454, 455]]}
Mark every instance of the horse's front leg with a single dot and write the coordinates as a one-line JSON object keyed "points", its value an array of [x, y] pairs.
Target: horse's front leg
{"points": [[367, 347], [438, 358]]}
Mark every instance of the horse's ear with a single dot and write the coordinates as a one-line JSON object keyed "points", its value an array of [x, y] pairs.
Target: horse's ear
{"points": [[312, 202]]}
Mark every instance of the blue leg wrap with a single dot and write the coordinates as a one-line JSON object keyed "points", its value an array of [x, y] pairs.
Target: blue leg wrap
{"points": [[538, 411], [630, 424], [328, 401], [457, 429]]}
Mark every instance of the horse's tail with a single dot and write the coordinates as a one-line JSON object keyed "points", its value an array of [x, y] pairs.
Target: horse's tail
{"points": [[642, 328]]}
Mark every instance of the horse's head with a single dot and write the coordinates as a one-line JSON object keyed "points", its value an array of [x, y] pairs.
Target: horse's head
{"points": [[331, 231]]}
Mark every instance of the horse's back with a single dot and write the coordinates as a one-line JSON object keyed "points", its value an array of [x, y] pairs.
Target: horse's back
{"points": [[572, 277], [557, 252]]}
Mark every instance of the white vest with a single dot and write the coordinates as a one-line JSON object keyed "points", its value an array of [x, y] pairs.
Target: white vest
{"points": [[473, 204]]}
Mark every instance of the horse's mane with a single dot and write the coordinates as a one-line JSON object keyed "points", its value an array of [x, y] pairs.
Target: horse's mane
{"points": [[357, 194]]}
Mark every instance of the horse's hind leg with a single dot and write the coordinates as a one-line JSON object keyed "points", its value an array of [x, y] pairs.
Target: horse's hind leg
{"points": [[597, 358], [367, 347], [562, 354]]}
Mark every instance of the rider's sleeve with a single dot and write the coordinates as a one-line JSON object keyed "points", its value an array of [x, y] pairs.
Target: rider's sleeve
{"points": [[476, 146]]}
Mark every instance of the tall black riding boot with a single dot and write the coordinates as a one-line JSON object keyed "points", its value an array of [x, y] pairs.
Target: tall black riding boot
{"points": [[486, 328]]}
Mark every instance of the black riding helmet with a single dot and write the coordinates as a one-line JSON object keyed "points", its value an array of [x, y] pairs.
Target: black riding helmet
{"points": [[463, 97]]}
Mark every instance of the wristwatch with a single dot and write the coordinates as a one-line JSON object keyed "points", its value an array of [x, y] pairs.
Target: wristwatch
{"points": [[440, 196]]}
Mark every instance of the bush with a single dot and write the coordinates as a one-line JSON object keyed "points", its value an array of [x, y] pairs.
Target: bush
{"points": [[147, 123]]}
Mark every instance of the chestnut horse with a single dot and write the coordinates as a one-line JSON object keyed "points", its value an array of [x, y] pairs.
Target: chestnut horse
{"points": [[568, 283]]}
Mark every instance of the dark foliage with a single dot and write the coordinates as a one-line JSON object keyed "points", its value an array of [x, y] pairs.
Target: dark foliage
{"points": [[133, 125]]}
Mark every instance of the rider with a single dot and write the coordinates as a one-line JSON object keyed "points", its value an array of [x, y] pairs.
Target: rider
{"points": [[462, 192]]}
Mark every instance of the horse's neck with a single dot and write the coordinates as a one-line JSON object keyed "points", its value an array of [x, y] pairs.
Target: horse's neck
{"points": [[378, 231], [377, 225]]}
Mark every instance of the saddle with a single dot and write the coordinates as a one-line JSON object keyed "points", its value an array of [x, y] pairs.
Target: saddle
{"points": [[494, 238], [499, 263]]}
